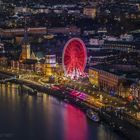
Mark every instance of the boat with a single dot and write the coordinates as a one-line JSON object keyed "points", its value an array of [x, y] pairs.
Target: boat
{"points": [[92, 115]]}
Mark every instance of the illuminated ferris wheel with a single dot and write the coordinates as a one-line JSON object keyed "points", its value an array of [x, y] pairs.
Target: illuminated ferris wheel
{"points": [[74, 58]]}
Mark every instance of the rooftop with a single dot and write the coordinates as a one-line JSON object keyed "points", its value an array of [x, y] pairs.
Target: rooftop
{"points": [[131, 75]]}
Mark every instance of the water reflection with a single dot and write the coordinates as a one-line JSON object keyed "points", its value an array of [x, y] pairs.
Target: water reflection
{"points": [[75, 124], [45, 118]]}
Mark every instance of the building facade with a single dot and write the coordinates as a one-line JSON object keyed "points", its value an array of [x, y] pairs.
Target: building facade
{"points": [[109, 82]]}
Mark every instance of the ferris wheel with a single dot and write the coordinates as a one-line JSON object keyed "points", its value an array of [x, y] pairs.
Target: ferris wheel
{"points": [[74, 58]]}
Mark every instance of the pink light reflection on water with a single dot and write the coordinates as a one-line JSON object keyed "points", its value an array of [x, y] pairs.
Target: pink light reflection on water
{"points": [[75, 124]]}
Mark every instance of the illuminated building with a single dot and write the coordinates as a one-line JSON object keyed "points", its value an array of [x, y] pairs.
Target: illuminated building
{"points": [[3, 61], [39, 68], [27, 60], [50, 65], [3, 58], [26, 53], [111, 82], [94, 77], [90, 11], [121, 46], [15, 65], [40, 31]]}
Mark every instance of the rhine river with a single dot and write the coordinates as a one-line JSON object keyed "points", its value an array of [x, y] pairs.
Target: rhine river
{"points": [[24, 117]]}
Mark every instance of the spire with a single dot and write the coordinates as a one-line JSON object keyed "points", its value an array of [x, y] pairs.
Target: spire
{"points": [[25, 54], [25, 39]]}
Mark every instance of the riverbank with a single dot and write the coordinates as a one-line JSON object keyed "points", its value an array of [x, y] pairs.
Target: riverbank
{"points": [[29, 117], [116, 122]]}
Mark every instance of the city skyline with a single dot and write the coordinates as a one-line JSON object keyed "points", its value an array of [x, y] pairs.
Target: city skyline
{"points": [[76, 62]]}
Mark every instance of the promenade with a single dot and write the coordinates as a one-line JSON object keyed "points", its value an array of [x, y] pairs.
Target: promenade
{"points": [[121, 122]]}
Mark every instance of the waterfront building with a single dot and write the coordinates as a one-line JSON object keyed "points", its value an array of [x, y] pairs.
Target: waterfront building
{"points": [[110, 81], [39, 67], [94, 77], [50, 65], [27, 59]]}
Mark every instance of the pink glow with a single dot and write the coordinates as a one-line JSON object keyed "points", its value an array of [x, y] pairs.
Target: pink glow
{"points": [[74, 58]]}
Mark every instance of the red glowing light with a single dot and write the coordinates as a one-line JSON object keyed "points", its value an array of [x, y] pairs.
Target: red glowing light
{"points": [[74, 58], [55, 88], [75, 93]]}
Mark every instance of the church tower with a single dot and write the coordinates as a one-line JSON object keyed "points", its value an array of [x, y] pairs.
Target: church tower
{"points": [[26, 52], [25, 48]]}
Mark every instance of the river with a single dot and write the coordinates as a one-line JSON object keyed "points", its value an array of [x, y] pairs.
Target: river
{"points": [[24, 117]]}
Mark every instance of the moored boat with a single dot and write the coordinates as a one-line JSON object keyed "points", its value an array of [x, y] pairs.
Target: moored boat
{"points": [[92, 115]]}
